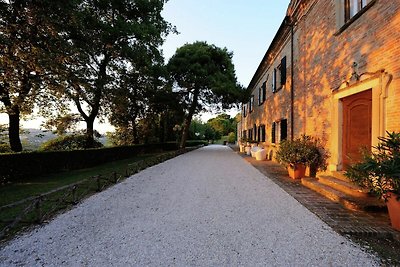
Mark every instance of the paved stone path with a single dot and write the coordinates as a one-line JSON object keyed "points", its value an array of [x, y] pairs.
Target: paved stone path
{"points": [[205, 208]]}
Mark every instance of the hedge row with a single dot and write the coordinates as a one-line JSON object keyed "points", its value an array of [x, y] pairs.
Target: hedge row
{"points": [[14, 167]]}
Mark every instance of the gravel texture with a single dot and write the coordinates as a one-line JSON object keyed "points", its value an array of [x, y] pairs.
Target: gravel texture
{"points": [[204, 208]]}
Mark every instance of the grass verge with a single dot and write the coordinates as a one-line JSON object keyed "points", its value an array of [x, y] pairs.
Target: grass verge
{"points": [[48, 195], [18, 191]]}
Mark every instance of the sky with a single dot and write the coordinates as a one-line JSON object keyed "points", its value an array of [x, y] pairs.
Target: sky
{"points": [[244, 27]]}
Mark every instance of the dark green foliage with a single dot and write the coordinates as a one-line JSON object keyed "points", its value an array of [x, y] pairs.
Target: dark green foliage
{"points": [[291, 152], [203, 76], [26, 38], [231, 137], [223, 124], [25, 165], [211, 134], [107, 45], [68, 142], [5, 148], [306, 150], [379, 170]]}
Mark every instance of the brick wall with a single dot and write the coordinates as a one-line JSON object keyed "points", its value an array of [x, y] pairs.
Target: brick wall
{"points": [[323, 58]]}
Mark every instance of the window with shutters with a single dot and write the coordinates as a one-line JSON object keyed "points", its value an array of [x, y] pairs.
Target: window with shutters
{"points": [[251, 103], [244, 134], [279, 131], [279, 76], [262, 130], [244, 110], [255, 132], [250, 133], [262, 93]]}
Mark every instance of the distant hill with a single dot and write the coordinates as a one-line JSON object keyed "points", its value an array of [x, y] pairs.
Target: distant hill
{"points": [[31, 138]]}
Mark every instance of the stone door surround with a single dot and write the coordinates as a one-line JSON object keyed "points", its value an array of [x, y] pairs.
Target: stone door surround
{"points": [[379, 83]]}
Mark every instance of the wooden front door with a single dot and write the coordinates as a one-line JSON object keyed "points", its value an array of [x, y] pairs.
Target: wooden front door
{"points": [[357, 120]]}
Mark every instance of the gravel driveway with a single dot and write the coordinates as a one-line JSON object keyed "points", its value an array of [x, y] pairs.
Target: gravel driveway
{"points": [[204, 208]]}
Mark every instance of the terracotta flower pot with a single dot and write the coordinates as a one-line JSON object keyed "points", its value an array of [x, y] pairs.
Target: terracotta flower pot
{"points": [[297, 171], [393, 206]]}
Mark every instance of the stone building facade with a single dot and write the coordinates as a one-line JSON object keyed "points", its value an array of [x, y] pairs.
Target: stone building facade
{"points": [[332, 72]]}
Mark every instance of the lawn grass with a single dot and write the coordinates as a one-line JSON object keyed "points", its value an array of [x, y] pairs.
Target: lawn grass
{"points": [[18, 191]]}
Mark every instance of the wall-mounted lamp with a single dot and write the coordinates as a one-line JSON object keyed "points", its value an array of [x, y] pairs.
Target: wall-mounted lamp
{"points": [[355, 74]]}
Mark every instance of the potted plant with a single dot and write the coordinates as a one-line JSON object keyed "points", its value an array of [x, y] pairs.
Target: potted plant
{"points": [[317, 156], [253, 143], [293, 155], [379, 171]]}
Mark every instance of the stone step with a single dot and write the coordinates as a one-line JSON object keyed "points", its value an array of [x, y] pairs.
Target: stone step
{"points": [[340, 176], [345, 187], [349, 202]]}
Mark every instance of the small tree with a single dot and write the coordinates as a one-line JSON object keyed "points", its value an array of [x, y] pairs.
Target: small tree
{"points": [[204, 77]]}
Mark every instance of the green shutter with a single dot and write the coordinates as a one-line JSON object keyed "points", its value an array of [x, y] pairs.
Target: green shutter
{"points": [[273, 139], [283, 129], [283, 71]]}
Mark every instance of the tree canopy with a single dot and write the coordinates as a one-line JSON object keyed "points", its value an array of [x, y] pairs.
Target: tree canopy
{"points": [[107, 43], [80, 51], [26, 37], [203, 76]]}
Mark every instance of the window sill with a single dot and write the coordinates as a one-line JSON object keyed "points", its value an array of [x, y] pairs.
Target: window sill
{"points": [[278, 89], [354, 18]]}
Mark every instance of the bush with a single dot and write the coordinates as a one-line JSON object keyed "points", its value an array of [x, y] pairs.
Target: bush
{"points": [[379, 171], [68, 142], [5, 148], [305, 150], [291, 152], [231, 137], [25, 166]]}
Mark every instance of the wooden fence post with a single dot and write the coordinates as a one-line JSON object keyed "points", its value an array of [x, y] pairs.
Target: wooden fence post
{"points": [[98, 183], [115, 177], [38, 210], [74, 200]]}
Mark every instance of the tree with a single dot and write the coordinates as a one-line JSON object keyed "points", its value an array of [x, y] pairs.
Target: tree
{"points": [[143, 103], [203, 77], [62, 124], [26, 37], [223, 124], [103, 41]]}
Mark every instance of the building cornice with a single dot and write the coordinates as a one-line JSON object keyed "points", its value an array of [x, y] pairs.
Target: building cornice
{"points": [[278, 40]]}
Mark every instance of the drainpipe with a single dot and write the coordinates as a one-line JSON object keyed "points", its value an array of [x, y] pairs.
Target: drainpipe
{"points": [[292, 79]]}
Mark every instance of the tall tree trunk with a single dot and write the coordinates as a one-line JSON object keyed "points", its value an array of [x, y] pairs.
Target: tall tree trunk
{"points": [[185, 131], [135, 133], [13, 130], [89, 132], [188, 119], [13, 121]]}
